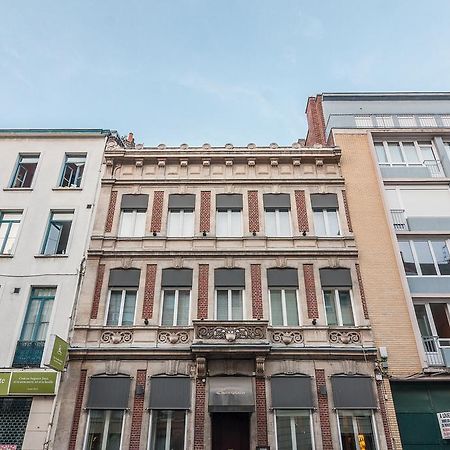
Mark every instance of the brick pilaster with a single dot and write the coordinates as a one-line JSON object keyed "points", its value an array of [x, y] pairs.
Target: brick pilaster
{"points": [[316, 121], [253, 212], [199, 418], [205, 211], [77, 410], [361, 290], [324, 412], [138, 411], [203, 286], [310, 287], [257, 303], [111, 210], [347, 212], [302, 216], [261, 411], [98, 290], [149, 293], [387, 428], [157, 211]]}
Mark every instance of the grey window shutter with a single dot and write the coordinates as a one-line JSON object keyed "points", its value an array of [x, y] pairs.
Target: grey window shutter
{"points": [[108, 392], [291, 392], [282, 278], [324, 201], [170, 393], [176, 278], [181, 201], [134, 201], [124, 278], [229, 278], [353, 392], [229, 201], [277, 201], [335, 278]]}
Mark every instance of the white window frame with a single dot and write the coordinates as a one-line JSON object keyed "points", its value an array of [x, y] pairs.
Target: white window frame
{"points": [[63, 169], [416, 259], [418, 146], [122, 305], [16, 168], [47, 232], [135, 213], [337, 305], [230, 232], [230, 304], [175, 312], [105, 428], [430, 317], [168, 429], [325, 212], [283, 306], [292, 426], [277, 222], [182, 224], [19, 222], [355, 428]]}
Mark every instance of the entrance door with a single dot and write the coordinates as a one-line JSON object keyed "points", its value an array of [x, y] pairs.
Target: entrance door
{"points": [[230, 431]]}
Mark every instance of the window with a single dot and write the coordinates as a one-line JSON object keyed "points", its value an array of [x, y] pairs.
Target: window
{"points": [[181, 215], [326, 222], [284, 307], [433, 319], [104, 430], [338, 307], [228, 215], [34, 330], [168, 430], [176, 304], [73, 171], [58, 231], [132, 223], [425, 257], [121, 307], [277, 209], [357, 430], [9, 228], [411, 153], [229, 304], [294, 430], [24, 172]]}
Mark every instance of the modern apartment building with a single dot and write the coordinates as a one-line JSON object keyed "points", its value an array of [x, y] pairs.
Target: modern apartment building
{"points": [[223, 306], [396, 163], [49, 182]]}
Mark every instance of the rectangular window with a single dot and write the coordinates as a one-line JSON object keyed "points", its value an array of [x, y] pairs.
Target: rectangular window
{"points": [[294, 430], [338, 307], [104, 430], [58, 232], [24, 172], [121, 307], [229, 304], [357, 430], [168, 430], [34, 330], [228, 223], [132, 223], [326, 222], [180, 223], [284, 307], [9, 228], [425, 257], [278, 222], [176, 304], [73, 170]]}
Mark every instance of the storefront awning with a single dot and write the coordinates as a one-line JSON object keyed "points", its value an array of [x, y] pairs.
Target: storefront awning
{"points": [[231, 394]]}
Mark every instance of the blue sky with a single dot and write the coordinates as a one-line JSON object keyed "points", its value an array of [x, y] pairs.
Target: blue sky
{"points": [[217, 71]]}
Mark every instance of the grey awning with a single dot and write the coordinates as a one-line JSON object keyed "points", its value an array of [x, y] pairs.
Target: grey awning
{"points": [[108, 392], [229, 278], [282, 278], [291, 392], [134, 201], [181, 201], [272, 201], [324, 201], [176, 278], [124, 278], [170, 393], [353, 392], [231, 394], [228, 201], [336, 278]]}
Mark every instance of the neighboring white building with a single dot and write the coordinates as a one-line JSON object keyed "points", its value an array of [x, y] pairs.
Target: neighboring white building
{"points": [[49, 182]]}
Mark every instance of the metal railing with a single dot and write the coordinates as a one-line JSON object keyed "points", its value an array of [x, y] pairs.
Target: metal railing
{"points": [[399, 220], [28, 354], [434, 167], [433, 350]]}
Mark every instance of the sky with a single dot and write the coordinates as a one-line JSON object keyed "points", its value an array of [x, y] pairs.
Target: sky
{"points": [[216, 71]]}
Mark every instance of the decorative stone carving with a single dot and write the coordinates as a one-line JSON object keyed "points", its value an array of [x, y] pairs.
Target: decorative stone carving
{"points": [[173, 337], [201, 367], [287, 337], [117, 337], [231, 333], [259, 366], [126, 263], [344, 337]]}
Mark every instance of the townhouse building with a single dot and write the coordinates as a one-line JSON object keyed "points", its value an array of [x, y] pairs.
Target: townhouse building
{"points": [[223, 306], [49, 183], [395, 160]]}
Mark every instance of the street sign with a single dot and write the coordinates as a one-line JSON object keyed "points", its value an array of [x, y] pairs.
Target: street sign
{"points": [[56, 355], [32, 383], [4, 383], [444, 424]]}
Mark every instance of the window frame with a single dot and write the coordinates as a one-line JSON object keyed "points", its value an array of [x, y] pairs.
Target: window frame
{"points": [[372, 422], [430, 318], [324, 212], [135, 215], [230, 304], [63, 170], [337, 305], [122, 305], [405, 163], [47, 232], [293, 437], [175, 312], [182, 222], [229, 212], [277, 222], [9, 226], [151, 426], [105, 427], [283, 307], [16, 170]]}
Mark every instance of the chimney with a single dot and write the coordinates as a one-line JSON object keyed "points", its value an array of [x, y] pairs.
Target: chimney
{"points": [[129, 142]]}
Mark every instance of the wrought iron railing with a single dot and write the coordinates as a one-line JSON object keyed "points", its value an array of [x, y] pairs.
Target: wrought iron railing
{"points": [[399, 219], [28, 354]]}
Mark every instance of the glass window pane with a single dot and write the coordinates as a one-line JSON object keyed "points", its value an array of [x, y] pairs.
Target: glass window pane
{"points": [[395, 152], [366, 437], [439, 311], [222, 305], [96, 429], [422, 320], [330, 307], [183, 308], [129, 308], [139, 228], [44, 320], [114, 430], [30, 320], [168, 430], [346, 308], [270, 221], [177, 430], [284, 223], [427, 152], [291, 307], [442, 256], [319, 223], [237, 312], [222, 223], [381, 153], [236, 223], [54, 233], [114, 308], [410, 153], [284, 435], [173, 225], [168, 308], [302, 431], [407, 258], [188, 223], [126, 223], [333, 222], [276, 308], [425, 258]]}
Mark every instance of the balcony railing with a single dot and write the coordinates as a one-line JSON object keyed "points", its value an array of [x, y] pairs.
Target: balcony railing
{"points": [[28, 354], [434, 167], [437, 351], [399, 220]]}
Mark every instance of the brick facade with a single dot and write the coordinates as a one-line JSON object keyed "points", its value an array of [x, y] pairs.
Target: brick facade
{"points": [[157, 211], [261, 412], [203, 286], [205, 212], [199, 418], [77, 410], [111, 211], [149, 293], [324, 412], [253, 212], [302, 216], [257, 301], [310, 287], [347, 212], [361, 291], [98, 290], [316, 121], [387, 430], [138, 410]]}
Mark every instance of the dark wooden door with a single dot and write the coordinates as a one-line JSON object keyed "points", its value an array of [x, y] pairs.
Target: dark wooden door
{"points": [[230, 431]]}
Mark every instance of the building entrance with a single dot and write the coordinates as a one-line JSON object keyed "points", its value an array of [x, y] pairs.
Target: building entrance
{"points": [[230, 431]]}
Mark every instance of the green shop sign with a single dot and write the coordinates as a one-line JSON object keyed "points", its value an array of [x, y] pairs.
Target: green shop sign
{"points": [[57, 351], [4, 382], [32, 383]]}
